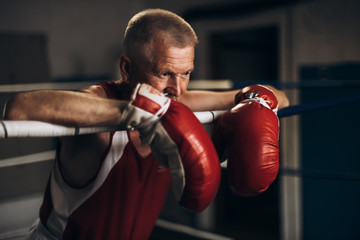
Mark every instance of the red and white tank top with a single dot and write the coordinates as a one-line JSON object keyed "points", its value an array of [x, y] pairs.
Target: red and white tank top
{"points": [[123, 202]]}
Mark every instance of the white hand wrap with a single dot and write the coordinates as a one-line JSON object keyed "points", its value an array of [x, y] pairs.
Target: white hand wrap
{"points": [[146, 107]]}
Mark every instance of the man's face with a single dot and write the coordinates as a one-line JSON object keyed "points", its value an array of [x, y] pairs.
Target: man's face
{"points": [[169, 70]]}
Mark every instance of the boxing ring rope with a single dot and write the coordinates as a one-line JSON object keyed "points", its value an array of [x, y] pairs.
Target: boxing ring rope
{"points": [[320, 174], [299, 109], [12, 129]]}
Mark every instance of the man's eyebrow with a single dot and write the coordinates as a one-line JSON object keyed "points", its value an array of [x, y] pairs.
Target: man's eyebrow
{"points": [[189, 70]]}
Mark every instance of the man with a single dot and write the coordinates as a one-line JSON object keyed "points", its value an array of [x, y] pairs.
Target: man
{"points": [[159, 51]]}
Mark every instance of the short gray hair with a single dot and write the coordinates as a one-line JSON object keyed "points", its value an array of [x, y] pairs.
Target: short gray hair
{"points": [[151, 23]]}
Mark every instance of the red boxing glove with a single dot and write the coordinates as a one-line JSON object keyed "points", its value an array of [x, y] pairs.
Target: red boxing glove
{"points": [[254, 92], [178, 141], [182, 144], [250, 131]]}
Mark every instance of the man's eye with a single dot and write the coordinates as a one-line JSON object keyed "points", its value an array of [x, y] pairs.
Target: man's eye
{"points": [[165, 74]]}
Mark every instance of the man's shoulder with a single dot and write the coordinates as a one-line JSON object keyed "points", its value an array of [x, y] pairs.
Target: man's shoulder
{"points": [[116, 89]]}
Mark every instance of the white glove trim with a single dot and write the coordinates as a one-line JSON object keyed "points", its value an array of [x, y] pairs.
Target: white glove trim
{"points": [[156, 116], [154, 96], [167, 154]]}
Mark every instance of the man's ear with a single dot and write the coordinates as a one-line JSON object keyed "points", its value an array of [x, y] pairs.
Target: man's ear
{"points": [[124, 65]]}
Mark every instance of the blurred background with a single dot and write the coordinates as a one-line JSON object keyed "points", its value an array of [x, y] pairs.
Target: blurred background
{"points": [[308, 48]]}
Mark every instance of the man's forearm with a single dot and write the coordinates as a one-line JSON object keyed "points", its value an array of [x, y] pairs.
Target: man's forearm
{"points": [[210, 100], [64, 107], [280, 97]]}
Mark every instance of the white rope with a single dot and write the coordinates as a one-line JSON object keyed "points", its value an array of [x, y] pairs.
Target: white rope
{"points": [[176, 227], [209, 116], [171, 226], [13, 129], [28, 159]]}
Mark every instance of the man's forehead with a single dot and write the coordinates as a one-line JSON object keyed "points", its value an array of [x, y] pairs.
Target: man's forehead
{"points": [[171, 53], [174, 65], [173, 57]]}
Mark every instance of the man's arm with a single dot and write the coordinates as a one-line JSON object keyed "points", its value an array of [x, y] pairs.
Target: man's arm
{"points": [[211, 100], [281, 97], [85, 108]]}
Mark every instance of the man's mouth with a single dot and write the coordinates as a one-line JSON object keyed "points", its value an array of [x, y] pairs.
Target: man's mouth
{"points": [[170, 95]]}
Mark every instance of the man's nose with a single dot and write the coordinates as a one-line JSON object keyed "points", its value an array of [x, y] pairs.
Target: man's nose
{"points": [[176, 85]]}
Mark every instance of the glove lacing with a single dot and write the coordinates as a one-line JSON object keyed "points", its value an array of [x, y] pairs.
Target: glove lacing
{"points": [[258, 100]]}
